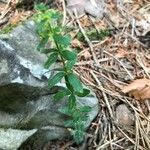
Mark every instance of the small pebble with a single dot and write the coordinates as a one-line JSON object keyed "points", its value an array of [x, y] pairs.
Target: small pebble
{"points": [[124, 116]]}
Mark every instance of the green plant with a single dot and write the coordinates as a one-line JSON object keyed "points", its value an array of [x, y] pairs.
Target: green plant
{"points": [[7, 29], [50, 30], [93, 34]]}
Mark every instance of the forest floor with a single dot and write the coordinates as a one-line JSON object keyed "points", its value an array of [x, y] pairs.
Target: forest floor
{"points": [[114, 60]]}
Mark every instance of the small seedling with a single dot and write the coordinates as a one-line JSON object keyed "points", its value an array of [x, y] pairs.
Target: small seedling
{"points": [[50, 30], [94, 34]]}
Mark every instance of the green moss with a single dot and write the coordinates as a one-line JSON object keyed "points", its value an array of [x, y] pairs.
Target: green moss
{"points": [[7, 29], [94, 35]]}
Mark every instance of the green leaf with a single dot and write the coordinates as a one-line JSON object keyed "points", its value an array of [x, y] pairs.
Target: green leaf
{"points": [[56, 15], [42, 28], [42, 43], [61, 94], [65, 110], [85, 109], [75, 82], [64, 40], [70, 64], [68, 55], [51, 59], [72, 101], [41, 7], [45, 51], [55, 79], [69, 86], [58, 69], [48, 50], [85, 93], [69, 123], [79, 135], [56, 30]]}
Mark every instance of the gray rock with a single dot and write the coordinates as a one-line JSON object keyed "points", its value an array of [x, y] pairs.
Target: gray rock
{"points": [[26, 101], [43, 136], [3, 1], [94, 8], [11, 139]]}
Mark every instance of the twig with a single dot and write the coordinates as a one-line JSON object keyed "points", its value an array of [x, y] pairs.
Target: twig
{"points": [[138, 58], [91, 61], [3, 21], [7, 9], [86, 38], [110, 139], [121, 64], [104, 95], [131, 140], [136, 132], [64, 12], [105, 144], [95, 86]]}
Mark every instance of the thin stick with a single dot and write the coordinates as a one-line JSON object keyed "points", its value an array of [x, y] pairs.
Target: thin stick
{"points": [[86, 38], [121, 64], [104, 95], [64, 12], [142, 65]]}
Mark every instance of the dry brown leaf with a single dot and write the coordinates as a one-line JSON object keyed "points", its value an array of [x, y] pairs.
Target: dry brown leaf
{"points": [[85, 54], [139, 89], [76, 43], [121, 53], [16, 18], [19, 16], [85, 21]]}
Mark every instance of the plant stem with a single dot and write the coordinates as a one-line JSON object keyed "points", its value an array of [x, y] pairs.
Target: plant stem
{"points": [[63, 61], [59, 49]]}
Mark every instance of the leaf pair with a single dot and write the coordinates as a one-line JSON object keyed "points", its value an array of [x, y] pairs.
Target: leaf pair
{"points": [[74, 82], [72, 79], [61, 94]]}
